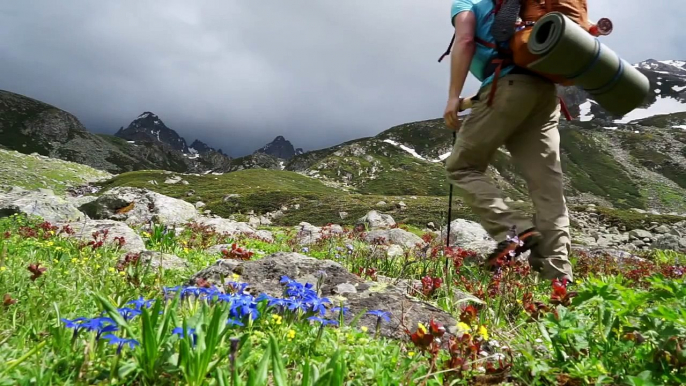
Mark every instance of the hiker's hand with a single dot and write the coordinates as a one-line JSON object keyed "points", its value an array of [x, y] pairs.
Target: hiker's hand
{"points": [[450, 114]]}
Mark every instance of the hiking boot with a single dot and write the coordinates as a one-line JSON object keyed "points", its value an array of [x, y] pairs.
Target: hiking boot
{"points": [[512, 247]]}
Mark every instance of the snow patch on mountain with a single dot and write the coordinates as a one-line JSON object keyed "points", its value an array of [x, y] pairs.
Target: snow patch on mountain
{"points": [[675, 63], [662, 105], [407, 149], [585, 111]]}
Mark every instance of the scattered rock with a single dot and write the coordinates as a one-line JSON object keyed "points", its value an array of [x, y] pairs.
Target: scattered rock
{"points": [[469, 235], [395, 251], [231, 228], [640, 234], [157, 259], [374, 220], [343, 215], [401, 205], [135, 205], [263, 276], [395, 236], [173, 180], [41, 202], [199, 205]]}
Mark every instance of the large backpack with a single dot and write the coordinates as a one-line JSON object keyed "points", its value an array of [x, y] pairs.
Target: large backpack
{"points": [[512, 25]]}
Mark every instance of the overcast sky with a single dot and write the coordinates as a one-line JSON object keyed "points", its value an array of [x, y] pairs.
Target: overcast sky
{"points": [[237, 73]]}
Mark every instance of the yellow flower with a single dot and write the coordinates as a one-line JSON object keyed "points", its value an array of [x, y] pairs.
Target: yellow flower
{"points": [[50, 243], [421, 328], [111, 269], [410, 354], [3, 269], [463, 327], [52, 232], [74, 260], [55, 261], [235, 276], [291, 334], [277, 318], [483, 332], [122, 273], [186, 250], [364, 329]]}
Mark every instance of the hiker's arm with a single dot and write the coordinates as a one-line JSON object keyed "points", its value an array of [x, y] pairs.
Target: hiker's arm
{"points": [[463, 51], [460, 60]]}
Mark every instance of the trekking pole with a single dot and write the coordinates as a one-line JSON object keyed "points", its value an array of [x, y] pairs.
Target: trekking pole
{"points": [[465, 103]]}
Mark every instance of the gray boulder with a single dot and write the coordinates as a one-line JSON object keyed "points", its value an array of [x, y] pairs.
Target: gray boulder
{"points": [[309, 234], [669, 242], [469, 235], [84, 230], [338, 285], [233, 228], [42, 202], [396, 236], [135, 206], [159, 259], [374, 220]]}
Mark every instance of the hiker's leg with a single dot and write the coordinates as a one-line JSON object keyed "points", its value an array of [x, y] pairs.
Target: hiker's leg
{"points": [[481, 134], [535, 149]]}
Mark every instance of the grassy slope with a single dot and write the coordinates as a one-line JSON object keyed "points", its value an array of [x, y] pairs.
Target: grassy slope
{"points": [[32, 172], [268, 190]]}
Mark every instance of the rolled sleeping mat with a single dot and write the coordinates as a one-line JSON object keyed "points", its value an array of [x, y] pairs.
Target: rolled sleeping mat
{"points": [[567, 50]]}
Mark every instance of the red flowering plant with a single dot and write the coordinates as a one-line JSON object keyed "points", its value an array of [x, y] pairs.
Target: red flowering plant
{"points": [[237, 253]]}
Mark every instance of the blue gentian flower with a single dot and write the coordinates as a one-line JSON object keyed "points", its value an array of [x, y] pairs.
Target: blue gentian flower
{"points": [[128, 313], [318, 305], [120, 342], [380, 314], [322, 321], [140, 303], [233, 322]]}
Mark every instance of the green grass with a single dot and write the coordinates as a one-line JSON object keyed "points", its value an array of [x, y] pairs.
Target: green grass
{"points": [[593, 171], [621, 324], [30, 172], [268, 190]]}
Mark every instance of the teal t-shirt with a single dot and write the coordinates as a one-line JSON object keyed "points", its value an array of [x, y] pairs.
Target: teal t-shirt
{"points": [[484, 19]]}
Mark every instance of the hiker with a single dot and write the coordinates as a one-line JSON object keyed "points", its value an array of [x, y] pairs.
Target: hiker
{"points": [[520, 111]]}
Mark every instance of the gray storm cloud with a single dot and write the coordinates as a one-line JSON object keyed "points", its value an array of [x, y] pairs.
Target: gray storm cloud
{"points": [[237, 73]]}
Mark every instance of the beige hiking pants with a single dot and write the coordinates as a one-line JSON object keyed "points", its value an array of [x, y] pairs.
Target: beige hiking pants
{"points": [[524, 117]]}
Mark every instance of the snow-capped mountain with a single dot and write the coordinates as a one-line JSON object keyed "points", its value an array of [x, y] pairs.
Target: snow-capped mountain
{"points": [[149, 127], [668, 86]]}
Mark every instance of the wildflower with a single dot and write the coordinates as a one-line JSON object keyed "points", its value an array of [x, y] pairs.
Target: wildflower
{"points": [[306, 250], [120, 342], [483, 332], [364, 328], [233, 322], [36, 271], [324, 322], [129, 313], [277, 318], [7, 300], [182, 334], [410, 354], [290, 335], [140, 302], [111, 269], [318, 305], [379, 315], [3, 269]]}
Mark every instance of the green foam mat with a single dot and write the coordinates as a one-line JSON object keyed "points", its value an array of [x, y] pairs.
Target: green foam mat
{"points": [[568, 50]]}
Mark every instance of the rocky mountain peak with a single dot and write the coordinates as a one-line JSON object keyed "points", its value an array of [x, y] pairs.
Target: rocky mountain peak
{"points": [[201, 147], [281, 148], [148, 127]]}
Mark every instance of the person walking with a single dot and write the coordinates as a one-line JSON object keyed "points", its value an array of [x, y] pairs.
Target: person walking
{"points": [[519, 110]]}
